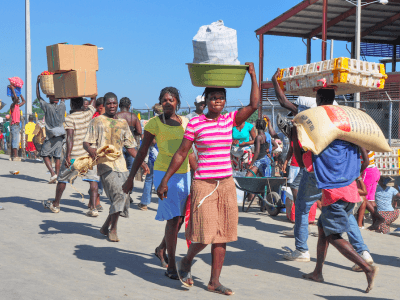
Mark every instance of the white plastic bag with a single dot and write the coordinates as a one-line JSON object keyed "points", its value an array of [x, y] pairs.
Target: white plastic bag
{"points": [[215, 44]]}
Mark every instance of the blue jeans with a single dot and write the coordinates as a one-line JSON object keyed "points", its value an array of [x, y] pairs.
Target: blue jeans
{"points": [[128, 159], [307, 195], [15, 136], [148, 185]]}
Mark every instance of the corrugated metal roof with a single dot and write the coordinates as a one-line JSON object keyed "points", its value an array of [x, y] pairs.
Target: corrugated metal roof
{"points": [[380, 23]]}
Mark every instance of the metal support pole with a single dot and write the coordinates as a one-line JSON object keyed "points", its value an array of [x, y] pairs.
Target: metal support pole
{"points": [[390, 119], [273, 117], [331, 49], [28, 70], [324, 27], [394, 57], [308, 58], [261, 74], [357, 46]]}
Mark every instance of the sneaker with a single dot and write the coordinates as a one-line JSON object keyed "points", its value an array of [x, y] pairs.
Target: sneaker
{"points": [[49, 205], [92, 213], [53, 179], [288, 233], [368, 259], [297, 255], [142, 206]]}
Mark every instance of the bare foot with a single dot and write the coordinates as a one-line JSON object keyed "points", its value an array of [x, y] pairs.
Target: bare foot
{"points": [[104, 231], [112, 236], [315, 277], [162, 256], [371, 278]]}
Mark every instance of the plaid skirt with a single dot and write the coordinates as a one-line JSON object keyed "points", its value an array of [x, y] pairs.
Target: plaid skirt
{"points": [[216, 220]]}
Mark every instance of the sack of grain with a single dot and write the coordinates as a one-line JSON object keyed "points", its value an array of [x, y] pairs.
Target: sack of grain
{"points": [[215, 44], [318, 127]]}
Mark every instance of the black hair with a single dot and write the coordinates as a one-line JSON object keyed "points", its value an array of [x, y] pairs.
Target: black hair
{"points": [[109, 95], [174, 92], [76, 103], [124, 102], [100, 101], [261, 124], [326, 95], [209, 90], [85, 100], [30, 118]]}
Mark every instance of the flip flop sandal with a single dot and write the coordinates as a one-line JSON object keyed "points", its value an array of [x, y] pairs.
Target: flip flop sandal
{"points": [[183, 276], [222, 290], [172, 275], [164, 263], [99, 207]]}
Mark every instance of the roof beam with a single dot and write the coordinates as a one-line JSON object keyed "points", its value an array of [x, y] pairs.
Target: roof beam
{"points": [[380, 25], [283, 17]]}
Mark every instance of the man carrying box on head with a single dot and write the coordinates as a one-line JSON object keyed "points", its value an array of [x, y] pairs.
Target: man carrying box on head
{"points": [[54, 114]]}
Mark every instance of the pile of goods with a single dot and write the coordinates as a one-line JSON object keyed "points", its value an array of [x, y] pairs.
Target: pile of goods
{"points": [[47, 83], [74, 68], [343, 74], [318, 127], [17, 83], [215, 62]]}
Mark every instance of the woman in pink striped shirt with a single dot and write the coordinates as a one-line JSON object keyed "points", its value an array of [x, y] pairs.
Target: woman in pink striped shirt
{"points": [[214, 221]]}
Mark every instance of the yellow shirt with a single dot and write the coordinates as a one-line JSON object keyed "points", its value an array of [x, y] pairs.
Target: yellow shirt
{"points": [[29, 128], [104, 131], [168, 139]]}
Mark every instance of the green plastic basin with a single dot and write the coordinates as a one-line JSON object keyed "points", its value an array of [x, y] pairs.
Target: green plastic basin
{"points": [[221, 76]]}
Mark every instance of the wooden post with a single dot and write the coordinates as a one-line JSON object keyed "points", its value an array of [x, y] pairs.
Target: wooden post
{"points": [[308, 58], [261, 73]]}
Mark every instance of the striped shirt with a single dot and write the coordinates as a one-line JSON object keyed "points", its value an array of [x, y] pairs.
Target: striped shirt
{"points": [[213, 140], [79, 122], [371, 156]]}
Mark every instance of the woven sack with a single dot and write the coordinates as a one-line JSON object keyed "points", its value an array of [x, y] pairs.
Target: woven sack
{"points": [[318, 127], [104, 154], [47, 84]]}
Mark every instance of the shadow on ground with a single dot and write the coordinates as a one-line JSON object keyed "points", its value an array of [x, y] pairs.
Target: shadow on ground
{"points": [[24, 177], [55, 227], [134, 262], [351, 298]]}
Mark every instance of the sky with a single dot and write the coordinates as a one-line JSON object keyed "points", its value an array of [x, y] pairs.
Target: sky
{"points": [[146, 43]]}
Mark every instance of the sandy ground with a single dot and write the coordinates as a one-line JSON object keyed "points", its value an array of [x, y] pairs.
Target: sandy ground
{"points": [[63, 256]]}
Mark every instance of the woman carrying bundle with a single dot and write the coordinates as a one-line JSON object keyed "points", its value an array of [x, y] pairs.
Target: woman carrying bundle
{"points": [[213, 209], [167, 129]]}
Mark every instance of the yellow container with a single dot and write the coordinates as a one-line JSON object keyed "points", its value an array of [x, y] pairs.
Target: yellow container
{"points": [[346, 75]]}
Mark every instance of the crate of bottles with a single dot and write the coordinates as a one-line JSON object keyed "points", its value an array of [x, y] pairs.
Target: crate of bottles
{"points": [[388, 162], [345, 75]]}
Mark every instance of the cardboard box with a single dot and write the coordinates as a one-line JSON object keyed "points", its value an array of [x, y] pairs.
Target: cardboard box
{"points": [[64, 57], [75, 84]]}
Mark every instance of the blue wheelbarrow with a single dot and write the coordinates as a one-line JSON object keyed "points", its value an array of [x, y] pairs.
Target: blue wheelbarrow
{"points": [[267, 190]]}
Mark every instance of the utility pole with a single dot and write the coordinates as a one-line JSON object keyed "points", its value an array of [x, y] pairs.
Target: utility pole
{"points": [[358, 42], [28, 69]]}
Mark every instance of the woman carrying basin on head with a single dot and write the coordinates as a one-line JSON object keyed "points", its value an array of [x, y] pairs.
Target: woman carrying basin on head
{"points": [[213, 209]]}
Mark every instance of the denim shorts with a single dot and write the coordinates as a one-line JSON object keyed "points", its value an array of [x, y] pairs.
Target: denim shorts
{"points": [[293, 171], [264, 166], [334, 218], [15, 131], [296, 182]]}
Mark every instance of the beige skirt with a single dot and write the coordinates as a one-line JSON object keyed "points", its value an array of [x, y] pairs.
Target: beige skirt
{"points": [[216, 220]]}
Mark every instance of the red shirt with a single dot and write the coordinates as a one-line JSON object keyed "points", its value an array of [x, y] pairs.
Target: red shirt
{"points": [[96, 114], [294, 161]]}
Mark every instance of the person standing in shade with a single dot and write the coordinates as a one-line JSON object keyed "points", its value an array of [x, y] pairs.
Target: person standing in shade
{"points": [[200, 104], [15, 124], [104, 130], [54, 115]]}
